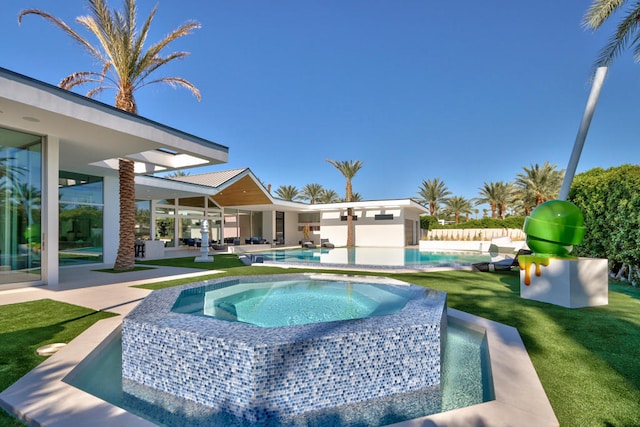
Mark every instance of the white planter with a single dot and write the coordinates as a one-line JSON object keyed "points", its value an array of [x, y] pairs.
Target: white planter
{"points": [[572, 283]]}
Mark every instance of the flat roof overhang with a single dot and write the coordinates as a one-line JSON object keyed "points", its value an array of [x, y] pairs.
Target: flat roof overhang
{"points": [[93, 135], [156, 188]]}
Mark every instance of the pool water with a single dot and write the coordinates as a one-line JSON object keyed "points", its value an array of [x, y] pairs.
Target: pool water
{"points": [[295, 302], [410, 258], [465, 381]]}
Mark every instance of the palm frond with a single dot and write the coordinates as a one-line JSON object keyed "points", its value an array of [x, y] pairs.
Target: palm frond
{"points": [[599, 12], [174, 82], [626, 30], [63, 26]]}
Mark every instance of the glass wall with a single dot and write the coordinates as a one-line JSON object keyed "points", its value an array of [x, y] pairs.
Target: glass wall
{"points": [[81, 213], [20, 207], [177, 222], [143, 220]]}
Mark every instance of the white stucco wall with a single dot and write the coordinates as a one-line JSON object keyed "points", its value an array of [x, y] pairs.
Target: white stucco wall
{"points": [[291, 233], [368, 230]]}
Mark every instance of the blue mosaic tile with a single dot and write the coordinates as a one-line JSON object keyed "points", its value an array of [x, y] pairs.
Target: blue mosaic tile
{"points": [[263, 373]]}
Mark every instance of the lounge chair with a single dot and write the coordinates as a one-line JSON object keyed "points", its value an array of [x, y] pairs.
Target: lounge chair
{"points": [[501, 265], [326, 244], [308, 244]]}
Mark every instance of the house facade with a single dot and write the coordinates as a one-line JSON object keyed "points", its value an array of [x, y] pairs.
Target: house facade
{"points": [[59, 205]]}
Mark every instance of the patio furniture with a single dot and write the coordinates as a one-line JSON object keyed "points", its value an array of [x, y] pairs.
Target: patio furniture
{"points": [[326, 244]]}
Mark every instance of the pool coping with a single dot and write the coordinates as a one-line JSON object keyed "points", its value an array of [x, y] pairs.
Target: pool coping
{"points": [[42, 398]]}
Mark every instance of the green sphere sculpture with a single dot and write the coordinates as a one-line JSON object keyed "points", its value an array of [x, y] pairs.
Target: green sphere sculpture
{"points": [[554, 227]]}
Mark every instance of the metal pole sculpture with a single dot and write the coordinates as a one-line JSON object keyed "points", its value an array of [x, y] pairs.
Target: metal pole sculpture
{"points": [[582, 132]]}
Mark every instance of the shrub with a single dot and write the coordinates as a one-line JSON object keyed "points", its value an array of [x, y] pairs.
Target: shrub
{"points": [[610, 202]]}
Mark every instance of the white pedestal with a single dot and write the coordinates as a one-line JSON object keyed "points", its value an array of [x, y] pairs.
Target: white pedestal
{"points": [[571, 283]]}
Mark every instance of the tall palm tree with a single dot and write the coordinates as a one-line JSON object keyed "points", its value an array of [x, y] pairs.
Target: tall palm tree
{"points": [[538, 184], [348, 168], [124, 66], [287, 192], [627, 32], [457, 205], [329, 196], [311, 192], [432, 193]]}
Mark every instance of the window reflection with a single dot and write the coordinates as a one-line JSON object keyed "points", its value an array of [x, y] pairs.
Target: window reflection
{"points": [[81, 218], [20, 207]]}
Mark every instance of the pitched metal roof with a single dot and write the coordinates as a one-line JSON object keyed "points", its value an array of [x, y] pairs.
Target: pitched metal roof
{"points": [[212, 179]]}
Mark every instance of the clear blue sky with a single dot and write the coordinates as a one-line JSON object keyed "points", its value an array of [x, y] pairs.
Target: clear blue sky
{"points": [[465, 91]]}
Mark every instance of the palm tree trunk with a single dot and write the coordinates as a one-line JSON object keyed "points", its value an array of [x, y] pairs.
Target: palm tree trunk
{"points": [[126, 251]]}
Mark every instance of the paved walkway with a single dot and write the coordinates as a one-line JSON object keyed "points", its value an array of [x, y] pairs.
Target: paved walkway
{"points": [[86, 287]]}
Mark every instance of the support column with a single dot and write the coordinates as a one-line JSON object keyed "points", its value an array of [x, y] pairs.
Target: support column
{"points": [[50, 212]]}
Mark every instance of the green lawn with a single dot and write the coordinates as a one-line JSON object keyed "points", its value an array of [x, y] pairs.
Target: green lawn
{"points": [[587, 359], [25, 327]]}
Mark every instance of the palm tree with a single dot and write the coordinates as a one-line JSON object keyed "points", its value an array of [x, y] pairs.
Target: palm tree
{"points": [[355, 197], [497, 195], [329, 196], [177, 174], [432, 192], [287, 192], [457, 205], [124, 66], [627, 32], [538, 184], [348, 169], [311, 192]]}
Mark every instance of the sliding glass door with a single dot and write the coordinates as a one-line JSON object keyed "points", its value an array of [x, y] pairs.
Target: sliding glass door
{"points": [[20, 207]]}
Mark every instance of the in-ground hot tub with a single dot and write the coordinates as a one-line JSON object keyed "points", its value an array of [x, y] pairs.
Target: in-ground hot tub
{"points": [[172, 343]]}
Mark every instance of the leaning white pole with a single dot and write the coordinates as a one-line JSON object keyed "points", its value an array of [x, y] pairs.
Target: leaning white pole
{"points": [[582, 132]]}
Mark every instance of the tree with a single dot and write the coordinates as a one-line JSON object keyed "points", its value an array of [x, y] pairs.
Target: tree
{"points": [[355, 197], [288, 192], [538, 184], [177, 174], [311, 192], [126, 67], [432, 193], [627, 32], [329, 196], [490, 194], [457, 205], [348, 169]]}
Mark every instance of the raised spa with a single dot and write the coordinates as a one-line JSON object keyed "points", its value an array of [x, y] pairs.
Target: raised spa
{"points": [[293, 302], [174, 343]]}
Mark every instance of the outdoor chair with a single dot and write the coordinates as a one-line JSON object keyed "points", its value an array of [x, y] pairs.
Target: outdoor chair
{"points": [[326, 244]]}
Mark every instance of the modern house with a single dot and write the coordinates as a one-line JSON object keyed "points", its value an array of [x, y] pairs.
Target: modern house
{"points": [[59, 207]]}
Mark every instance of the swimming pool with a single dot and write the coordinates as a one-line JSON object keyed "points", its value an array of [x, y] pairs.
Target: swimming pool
{"points": [[372, 257]]}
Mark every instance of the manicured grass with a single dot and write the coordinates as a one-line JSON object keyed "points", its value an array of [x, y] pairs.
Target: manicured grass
{"points": [[27, 326], [587, 359], [229, 264]]}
